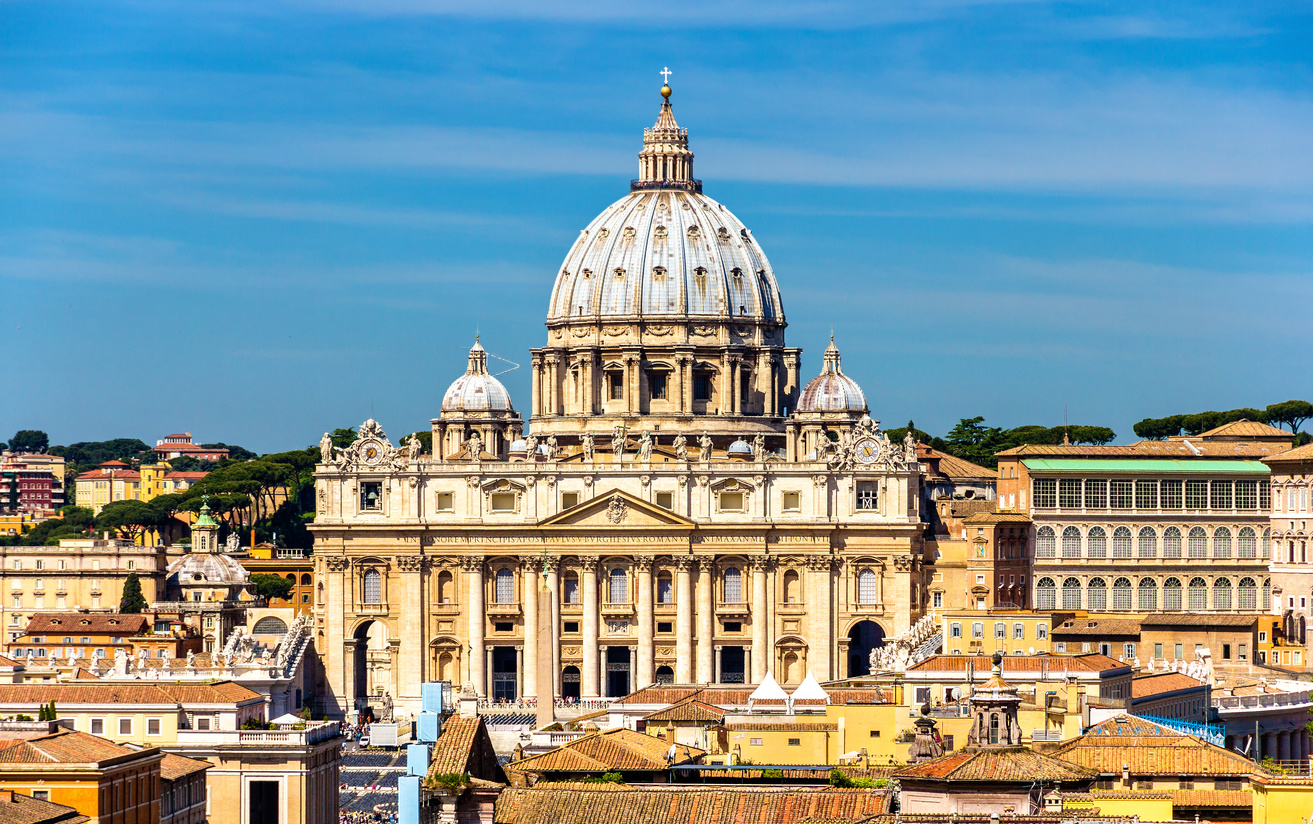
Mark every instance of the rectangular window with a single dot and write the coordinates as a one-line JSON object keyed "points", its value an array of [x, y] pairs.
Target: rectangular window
{"points": [[1000, 630], [1146, 494], [1019, 631], [572, 590], [733, 626], [701, 388], [657, 382], [955, 630], [569, 627], [43, 795], [569, 500], [1158, 650], [866, 498], [754, 742], [1119, 494], [446, 502], [1069, 493], [617, 382], [795, 742], [791, 502], [1226, 652], [1179, 650], [502, 501], [1059, 646], [1221, 494], [1264, 495], [978, 629], [1196, 494], [1045, 493], [125, 726], [665, 500], [1042, 631], [371, 496], [503, 626], [1246, 494], [730, 501], [938, 600], [97, 726], [922, 695], [1128, 650], [665, 626], [1171, 494], [153, 726], [202, 723]]}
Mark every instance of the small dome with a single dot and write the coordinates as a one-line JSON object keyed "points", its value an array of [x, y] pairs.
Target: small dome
{"points": [[832, 390], [476, 390], [518, 445], [740, 448], [212, 569]]}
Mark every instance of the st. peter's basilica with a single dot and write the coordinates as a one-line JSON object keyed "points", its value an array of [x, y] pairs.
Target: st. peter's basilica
{"points": [[692, 514]]}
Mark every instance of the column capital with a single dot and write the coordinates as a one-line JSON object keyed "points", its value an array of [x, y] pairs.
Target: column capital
{"points": [[818, 563], [588, 563], [706, 563], [411, 563], [685, 563], [337, 563], [471, 563], [761, 563]]}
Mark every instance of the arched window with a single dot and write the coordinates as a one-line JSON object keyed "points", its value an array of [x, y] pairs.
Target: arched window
{"points": [[373, 587], [1097, 594], [1121, 542], [1198, 594], [1172, 593], [733, 580], [1121, 593], [305, 580], [1247, 545], [617, 587], [1196, 545], [446, 587], [1248, 594], [1267, 595], [1071, 593], [1046, 592], [1071, 542], [1148, 594], [1267, 544], [269, 625], [1222, 593], [993, 728], [866, 587], [665, 588], [505, 589], [570, 588], [1045, 542], [1096, 545], [1221, 542], [1147, 546], [791, 586], [1172, 542]]}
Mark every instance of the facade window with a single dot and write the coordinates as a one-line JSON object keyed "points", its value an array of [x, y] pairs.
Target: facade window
{"points": [[1247, 545], [1147, 547], [444, 502], [733, 581], [1096, 494], [1197, 543], [97, 726], [1264, 495], [1044, 493], [1045, 542], [665, 500], [373, 587], [978, 629], [866, 587], [1220, 496], [1266, 545], [1121, 542], [1071, 542], [617, 587], [125, 726], [1246, 495], [955, 630], [792, 587], [1171, 542], [1196, 495], [1148, 594], [1042, 632], [665, 589], [1046, 594], [1146, 494], [1019, 631], [1097, 594], [1198, 595], [371, 496], [866, 498], [153, 726], [1171, 494], [504, 589], [1071, 593], [1171, 594], [1121, 594], [937, 600], [1267, 594], [1096, 545], [1069, 493], [1222, 593], [730, 501], [1120, 495], [503, 501], [791, 502], [1221, 542], [1000, 630], [657, 385], [1128, 651]]}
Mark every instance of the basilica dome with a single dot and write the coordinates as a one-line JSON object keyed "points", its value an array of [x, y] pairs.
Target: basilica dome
{"points": [[665, 250], [476, 390], [832, 390]]}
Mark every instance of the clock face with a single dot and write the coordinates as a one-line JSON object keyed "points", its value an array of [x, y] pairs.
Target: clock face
{"points": [[867, 450], [372, 453]]}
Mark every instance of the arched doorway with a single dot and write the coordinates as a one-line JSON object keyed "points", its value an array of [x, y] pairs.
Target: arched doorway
{"points": [[665, 675], [570, 683], [369, 664], [862, 638], [617, 672]]}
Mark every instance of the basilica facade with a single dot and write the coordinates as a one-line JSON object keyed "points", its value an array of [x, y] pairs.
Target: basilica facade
{"points": [[690, 511]]}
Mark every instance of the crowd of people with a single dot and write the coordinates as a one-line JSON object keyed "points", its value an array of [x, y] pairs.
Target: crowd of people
{"points": [[357, 817], [354, 732]]}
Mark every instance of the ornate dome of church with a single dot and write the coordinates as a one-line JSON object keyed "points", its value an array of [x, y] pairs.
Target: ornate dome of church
{"points": [[832, 390], [476, 390], [207, 570], [666, 250]]}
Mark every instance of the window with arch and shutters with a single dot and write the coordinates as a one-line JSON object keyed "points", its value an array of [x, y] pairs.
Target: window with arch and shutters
{"points": [[733, 580], [372, 587], [1071, 593], [1247, 545], [1046, 594], [505, 587], [1148, 594], [1071, 542], [1267, 594], [1267, 544], [866, 586], [1197, 543], [1171, 542], [617, 589], [1121, 593], [1097, 594], [1198, 594], [1172, 593], [1248, 589], [1096, 545], [1222, 593], [1221, 542], [1045, 542], [1147, 546], [1121, 542]]}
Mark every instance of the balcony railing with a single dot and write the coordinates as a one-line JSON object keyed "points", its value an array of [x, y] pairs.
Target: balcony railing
{"points": [[694, 186]]}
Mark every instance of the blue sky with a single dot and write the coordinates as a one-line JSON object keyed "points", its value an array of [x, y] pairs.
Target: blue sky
{"points": [[258, 221]]}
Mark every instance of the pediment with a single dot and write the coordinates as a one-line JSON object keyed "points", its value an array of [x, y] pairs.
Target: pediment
{"points": [[616, 509]]}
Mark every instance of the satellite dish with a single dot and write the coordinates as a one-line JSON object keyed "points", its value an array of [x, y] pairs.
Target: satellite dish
{"points": [[1032, 650], [957, 693]]}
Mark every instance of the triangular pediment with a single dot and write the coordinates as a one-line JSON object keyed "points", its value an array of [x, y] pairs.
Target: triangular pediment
{"points": [[615, 509]]}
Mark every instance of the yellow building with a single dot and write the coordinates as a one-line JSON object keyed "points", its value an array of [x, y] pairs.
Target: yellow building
{"points": [[1281, 799], [972, 632], [117, 481]]}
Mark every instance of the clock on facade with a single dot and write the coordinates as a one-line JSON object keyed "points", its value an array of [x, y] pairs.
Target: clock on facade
{"points": [[867, 450]]}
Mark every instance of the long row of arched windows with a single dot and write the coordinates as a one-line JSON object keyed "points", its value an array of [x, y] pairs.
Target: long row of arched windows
{"points": [[1146, 543], [1147, 595]]}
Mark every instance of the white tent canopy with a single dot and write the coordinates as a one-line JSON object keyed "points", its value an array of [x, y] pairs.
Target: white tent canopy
{"points": [[810, 690], [768, 690]]}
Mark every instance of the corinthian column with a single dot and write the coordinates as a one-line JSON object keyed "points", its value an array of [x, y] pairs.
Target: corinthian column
{"points": [[643, 563], [821, 637], [589, 677], [683, 620], [760, 611], [706, 610], [554, 587], [475, 675], [529, 585]]}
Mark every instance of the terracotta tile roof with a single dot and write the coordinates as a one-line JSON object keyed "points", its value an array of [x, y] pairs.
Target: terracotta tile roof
{"points": [[1213, 798], [1150, 749], [1187, 620], [997, 518], [1299, 453], [798, 773], [72, 694], [608, 751], [955, 467], [54, 623], [464, 746], [1009, 765], [1144, 686], [185, 476], [619, 804], [663, 696], [174, 767], [1098, 626], [1070, 817], [63, 747], [1092, 662], [1245, 428], [783, 726], [688, 710], [16, 808], [1185, 448], [112, 474]]}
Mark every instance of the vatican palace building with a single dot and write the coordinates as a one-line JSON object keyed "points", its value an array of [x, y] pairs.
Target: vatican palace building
{"points": [[694, 510]]}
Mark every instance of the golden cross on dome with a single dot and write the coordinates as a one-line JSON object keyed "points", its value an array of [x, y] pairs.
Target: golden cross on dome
{"points": [[665, 75]]}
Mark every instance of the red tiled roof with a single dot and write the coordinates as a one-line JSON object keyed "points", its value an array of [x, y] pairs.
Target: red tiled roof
{"points": [[16, 808], [784, 726], [1009, 765], [1215, 799], [688, 710], [620, 804], [113, 474], [185, 476], [1300, 453], [63, 747], [1144, 686], [1147, 748], [174, 767], [608, 751], [663, 695], [1150, 449], [1091, 662], [464, 747], [72, 694], [46, 623], [1245, 428]]}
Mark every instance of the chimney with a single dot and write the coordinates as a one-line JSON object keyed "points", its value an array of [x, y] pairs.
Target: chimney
{"points": [[670, 732], [7, 796]]}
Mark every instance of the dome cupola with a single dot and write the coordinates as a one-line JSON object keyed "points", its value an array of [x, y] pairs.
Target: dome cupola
{"points": [[832, 390], [476, 390]]}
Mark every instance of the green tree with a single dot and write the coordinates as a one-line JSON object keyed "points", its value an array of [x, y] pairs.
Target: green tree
{"points": [[1158, 429], [1097, 435], [29, 440], [133, 602], [344, 437], [128, 518], [269, 586], [235, 452], [186, 463], [1293, 414]]}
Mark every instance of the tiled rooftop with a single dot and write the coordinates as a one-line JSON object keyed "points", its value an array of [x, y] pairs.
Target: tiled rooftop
{"points": [[619, 804]]}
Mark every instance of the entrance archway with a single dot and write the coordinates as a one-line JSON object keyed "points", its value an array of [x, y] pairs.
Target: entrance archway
{"points": [[368, 663], [617, 672], [862, 638], [505, 686], [732, 665], [665, 675], [570, 683]]}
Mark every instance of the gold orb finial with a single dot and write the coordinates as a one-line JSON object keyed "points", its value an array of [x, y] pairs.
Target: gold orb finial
{"points": [[665, 92]]}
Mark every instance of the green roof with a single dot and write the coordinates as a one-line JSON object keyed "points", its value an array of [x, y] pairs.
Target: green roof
{"points": [[1153, 466]]}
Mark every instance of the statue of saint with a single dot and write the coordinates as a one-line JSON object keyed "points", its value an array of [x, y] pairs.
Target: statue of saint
{"points": [[822, 445], [681, 447], [589, 447], [326, 448], [551, 447], [759, 447], [413, 447], [645, 447], [704, 444], [531, 448], [618, 444], [474, 447]]}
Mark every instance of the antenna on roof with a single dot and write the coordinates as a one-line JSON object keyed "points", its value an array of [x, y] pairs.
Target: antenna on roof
{"points": [[1066, 441]]}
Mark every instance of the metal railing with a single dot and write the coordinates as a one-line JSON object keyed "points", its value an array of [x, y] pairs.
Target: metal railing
{"points": [[694, 186], [1263, 701]]}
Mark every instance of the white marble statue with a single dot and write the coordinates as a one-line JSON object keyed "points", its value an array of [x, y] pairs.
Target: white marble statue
{"points": [[759, 447], [551, 447], [326, 448], [681, 447], [645, 447], [413, 447], [618, 444], [589, 447], [704, 446], [474, 447]]}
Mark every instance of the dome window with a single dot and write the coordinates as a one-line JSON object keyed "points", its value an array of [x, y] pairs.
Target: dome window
{"points": [[588, 273], [743, 233], [603, 234], [694, 233], [660, 233], [659, 273], [700, 275], [737, 273], [722, 233], [619, 274], [629, 233]]}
